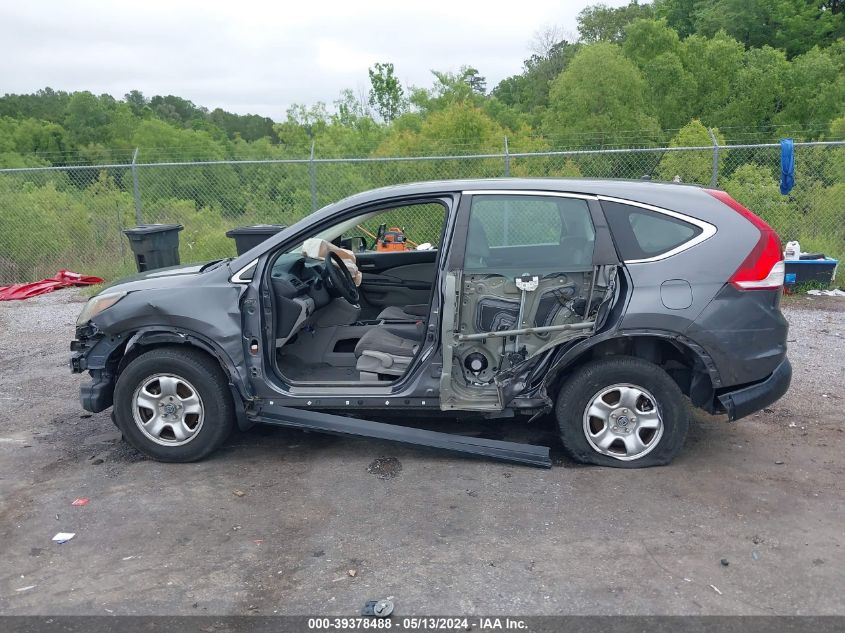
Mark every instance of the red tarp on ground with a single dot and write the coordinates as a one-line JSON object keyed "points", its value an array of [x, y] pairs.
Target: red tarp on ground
{"points": [[63, 279]]}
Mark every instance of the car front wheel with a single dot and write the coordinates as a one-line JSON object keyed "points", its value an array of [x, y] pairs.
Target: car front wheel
{"points": [[173, 404], [623, 412]]}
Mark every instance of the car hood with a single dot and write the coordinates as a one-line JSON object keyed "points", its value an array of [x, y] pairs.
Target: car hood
{"points": [[159, 278]]}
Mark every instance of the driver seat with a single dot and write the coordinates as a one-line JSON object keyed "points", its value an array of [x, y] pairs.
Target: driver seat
{"points": [[382, 352]]}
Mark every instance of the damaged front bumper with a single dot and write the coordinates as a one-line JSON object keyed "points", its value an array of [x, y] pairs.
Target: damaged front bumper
{"points": [[88, 338], [97, 395], [92, 351]]}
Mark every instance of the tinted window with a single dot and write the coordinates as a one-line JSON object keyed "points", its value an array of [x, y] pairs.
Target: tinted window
{"points": [[641, 234], [517, 220], [507, 231]]}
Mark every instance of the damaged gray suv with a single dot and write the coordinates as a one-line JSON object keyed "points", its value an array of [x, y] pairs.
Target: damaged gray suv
{"points": [[610, 304]]}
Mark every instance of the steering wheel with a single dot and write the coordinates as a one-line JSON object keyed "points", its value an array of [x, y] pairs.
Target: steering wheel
{"points": [[338, 279]]}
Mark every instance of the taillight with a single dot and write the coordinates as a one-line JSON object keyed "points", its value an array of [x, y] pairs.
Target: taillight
{"points": [[763, 269]]}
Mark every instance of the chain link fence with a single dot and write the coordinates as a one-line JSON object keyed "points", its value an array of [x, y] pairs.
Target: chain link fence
{"points": [[73, 217]]}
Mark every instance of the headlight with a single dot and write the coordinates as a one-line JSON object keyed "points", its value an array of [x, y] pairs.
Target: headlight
{"points": [[97, 304]]}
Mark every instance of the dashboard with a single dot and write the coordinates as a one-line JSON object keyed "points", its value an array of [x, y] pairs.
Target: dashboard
{"points": [[296, 276], [298, 292]]}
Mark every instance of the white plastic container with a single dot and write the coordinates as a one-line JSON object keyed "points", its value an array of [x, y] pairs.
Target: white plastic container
{"points": [[793, 251]]}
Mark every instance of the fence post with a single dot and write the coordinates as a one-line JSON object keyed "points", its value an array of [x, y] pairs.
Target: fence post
{"points": [[139, 216], [714, 177], [312, 175], [507, 159]]}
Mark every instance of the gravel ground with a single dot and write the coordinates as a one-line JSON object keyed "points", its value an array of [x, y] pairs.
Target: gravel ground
{"points": [[276, 520]]}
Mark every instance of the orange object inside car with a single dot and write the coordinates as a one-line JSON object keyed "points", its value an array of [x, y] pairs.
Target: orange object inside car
{"points": [[390, 239]]}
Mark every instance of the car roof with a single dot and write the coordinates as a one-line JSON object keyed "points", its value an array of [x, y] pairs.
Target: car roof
{"points": [[689, 199], [645, 191]]}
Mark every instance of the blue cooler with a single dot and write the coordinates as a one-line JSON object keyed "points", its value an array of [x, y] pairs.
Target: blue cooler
{"points": [[801, 271]]}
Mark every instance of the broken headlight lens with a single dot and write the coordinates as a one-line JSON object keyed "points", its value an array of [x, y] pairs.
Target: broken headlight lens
{"points": [[97, 304]]}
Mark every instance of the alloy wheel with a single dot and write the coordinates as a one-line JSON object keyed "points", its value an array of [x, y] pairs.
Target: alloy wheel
{"points": [[623, 421], [168, 409]]}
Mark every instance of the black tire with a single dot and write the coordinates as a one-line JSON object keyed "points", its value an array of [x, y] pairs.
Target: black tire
{"points": [[204, 375], [588, 381]]}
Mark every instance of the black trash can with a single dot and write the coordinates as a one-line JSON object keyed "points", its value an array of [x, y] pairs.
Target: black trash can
{"points": [[154, 245], [248, 237]]}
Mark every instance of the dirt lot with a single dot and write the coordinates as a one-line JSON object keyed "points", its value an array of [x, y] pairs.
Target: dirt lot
{"points": [[274, 522]]}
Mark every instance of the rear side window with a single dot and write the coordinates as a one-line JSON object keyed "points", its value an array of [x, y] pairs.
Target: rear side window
{"points": [[527, 232], [641, 234], [517, 220]]}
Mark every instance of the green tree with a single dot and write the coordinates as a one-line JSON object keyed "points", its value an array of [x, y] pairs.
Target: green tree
{"points": [[656, 49], [474, 80], [30, 136], [460, 124], [136, 100], [679, 14], [792, 25], [350, 108], [216, 186], [673, 89], [87, 118], [758, 92], [449, 89], [713, 64], [646, 39], [600, 23], [338, 135], [601, 95], [529, 91], [694, 167], [386, 93], [808, 23], [748, 21], [250, 127], [837, 130], [157, 137], [815, 89], [177, 110], [45, 104]]}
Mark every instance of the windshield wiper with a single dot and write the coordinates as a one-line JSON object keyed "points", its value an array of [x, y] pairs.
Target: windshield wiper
{"points": [[214, 264]]}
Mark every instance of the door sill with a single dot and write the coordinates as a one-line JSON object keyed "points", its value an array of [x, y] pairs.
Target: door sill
{"points": [[528, 454]]}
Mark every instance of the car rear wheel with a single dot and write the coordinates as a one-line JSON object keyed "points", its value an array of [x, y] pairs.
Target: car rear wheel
{"points": [[173, 404], [622, 412]]}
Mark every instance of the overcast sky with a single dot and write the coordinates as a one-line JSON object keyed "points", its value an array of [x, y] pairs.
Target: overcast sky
{"points": [[259, 57]]}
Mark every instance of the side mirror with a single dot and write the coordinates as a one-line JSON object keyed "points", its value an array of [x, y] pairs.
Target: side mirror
{"points": [[354, 243]]}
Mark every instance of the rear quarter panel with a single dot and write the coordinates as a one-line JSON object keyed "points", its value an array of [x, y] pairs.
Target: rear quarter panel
{"points": [[706, 266]]}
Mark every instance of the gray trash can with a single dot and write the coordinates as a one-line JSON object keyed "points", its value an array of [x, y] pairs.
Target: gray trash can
{"points": [[248, 237], [154, 245]]}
